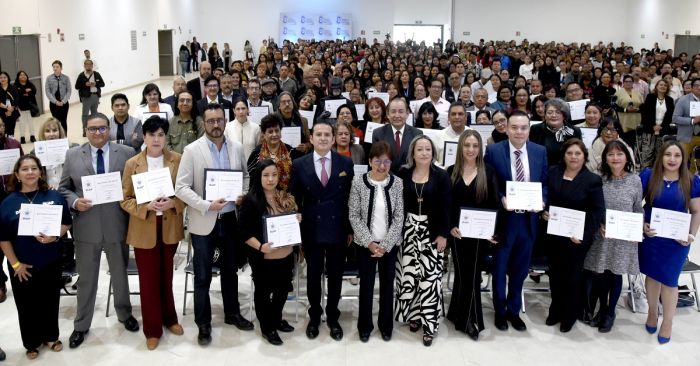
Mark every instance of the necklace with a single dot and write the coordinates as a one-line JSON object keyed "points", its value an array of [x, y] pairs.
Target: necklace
{"points": [[31, 201], [661, 101], [668, 182]]}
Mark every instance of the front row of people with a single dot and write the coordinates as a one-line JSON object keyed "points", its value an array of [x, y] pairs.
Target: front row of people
{"points": [[402, 224]]}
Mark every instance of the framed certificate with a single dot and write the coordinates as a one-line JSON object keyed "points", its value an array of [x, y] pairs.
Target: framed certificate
{"points": [[222, 183], [282, 230]]}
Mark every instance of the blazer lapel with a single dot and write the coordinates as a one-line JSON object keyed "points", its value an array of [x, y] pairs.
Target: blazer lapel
{"points": [[87, 159], [204, 151], [506, 158], [534, 164], [114, 150], [141, 163]]}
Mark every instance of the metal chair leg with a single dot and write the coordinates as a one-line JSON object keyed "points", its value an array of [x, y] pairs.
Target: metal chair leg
{"points": [[109, 297]]}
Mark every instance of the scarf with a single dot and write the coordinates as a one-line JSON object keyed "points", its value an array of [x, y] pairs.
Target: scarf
{"points": [[282, 160], [561, 133]]}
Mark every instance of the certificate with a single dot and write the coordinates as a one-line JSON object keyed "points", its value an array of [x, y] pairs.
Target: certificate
{"points": [[256, 114], [442, 120], [524, 196], [8, 159], [282, 230], [51, 152], [410, 120], [588, 134], [431, 133], [484, 131], [414, 105], [566, 222], [345, 95], [383, 96], [360, 109], [103, 188], [152, 185], [670, 224], [371, 126], [577, 109], [449, 153], [694, 109], [360, 169], [222, 183], [332, 106], [309, 115], [291, 135], [624, 225], [472, 117], [147, 115], [477, 224], [39, 219]]}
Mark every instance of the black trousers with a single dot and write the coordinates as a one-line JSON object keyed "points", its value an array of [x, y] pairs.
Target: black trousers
{"points": [[61, 114], [332, 258], [367, 266], [272, 279], [465, 305], [565, 279], [37, 303], [10, 123]]}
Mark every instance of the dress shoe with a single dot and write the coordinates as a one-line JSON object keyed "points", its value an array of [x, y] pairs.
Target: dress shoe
{"points": [[312, 330], [336, 331], [364, 337], [427, 340], [239, 321], [501, 323], [76, 338], [551, 320], [663, 340], [606, 324], [565, 327], [472, 331], [3, 356], [650, 329], [517, 323], [152, 343], [3, 294], [595, 321], [22, 140], [273, 338], [204, 336], [131, 324], [176, 329], [386, 336], [32, 138], [285, 327]]}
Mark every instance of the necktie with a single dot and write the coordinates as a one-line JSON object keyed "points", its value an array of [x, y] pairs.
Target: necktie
{"points": [[519, 169], [100, 162], [397, 139], [324, 173], [58, 89]]}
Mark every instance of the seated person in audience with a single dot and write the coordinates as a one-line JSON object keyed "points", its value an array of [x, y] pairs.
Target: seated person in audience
{"points": [[427, 117], [481, 98]]}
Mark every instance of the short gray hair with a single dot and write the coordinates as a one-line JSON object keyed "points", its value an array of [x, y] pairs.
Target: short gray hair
{"points": [[560, 105]]}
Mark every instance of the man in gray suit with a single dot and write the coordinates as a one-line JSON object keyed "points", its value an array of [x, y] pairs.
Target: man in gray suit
{"points": [[97, 228], [212, 222], [397, 133]]}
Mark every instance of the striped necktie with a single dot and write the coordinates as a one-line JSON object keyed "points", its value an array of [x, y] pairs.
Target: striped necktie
{"points": [[519, 169]]}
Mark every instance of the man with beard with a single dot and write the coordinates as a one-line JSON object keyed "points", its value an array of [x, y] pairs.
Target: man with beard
{"points": [[196, 85]]}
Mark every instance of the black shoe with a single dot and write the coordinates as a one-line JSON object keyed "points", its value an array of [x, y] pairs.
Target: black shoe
{"points": [[501, 323], [131, 324], [551, 320], [3, 356], [606, 324], [285, 327], [336, 331], [427, 340], [595, 320], [3, 294], [22, 140], [273, 338], [32, 138], [312, 330], [516, 322], [239, 321], [76, 338], [414, 326], [204, 336], [364, 337], [472, 331], [535, 278], [586, 317], [565, 327], [386, 336]]}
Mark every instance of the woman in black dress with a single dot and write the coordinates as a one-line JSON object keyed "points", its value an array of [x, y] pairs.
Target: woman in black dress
{"points": [[474, 185]]}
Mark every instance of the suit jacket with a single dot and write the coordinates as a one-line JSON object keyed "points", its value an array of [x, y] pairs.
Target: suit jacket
{"points": [[324, 210], [386, 133], [84, 91], [142, 223], [498, 156], [202, 103], [189, 185], [106, 223], [194, 87], [648, 111]]}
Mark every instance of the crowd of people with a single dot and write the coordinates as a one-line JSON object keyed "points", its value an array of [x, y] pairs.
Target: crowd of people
{"points": [[367, 167]]}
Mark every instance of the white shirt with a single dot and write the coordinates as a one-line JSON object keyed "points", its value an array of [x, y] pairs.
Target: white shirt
{"points": [[317, 164], [247, 133], [442, 105], [105, 157], [526, 71], [445, 135], [523, 158]]}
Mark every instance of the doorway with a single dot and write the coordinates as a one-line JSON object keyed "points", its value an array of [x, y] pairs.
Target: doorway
{"points": [[687, 44], [166, 59], [428, 33], [22, 53]]}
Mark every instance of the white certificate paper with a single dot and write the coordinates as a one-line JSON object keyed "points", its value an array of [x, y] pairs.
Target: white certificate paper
{"points": [[449, 153], [51, 152], [360, 169], [430, 133], [309, 115], [477, 224], [694, 109], [414, 105], [578, 109], [588, 134], [524, 196], [383, 96], [670, 224], [282, 230], [39, 219], [151, 185], [332, 106], [103, 188], [256, 114], [624, 225], [371, 126], [222, 183], [360, 109], [8, 159], [147, 115], [291, 135], [566, 222]]}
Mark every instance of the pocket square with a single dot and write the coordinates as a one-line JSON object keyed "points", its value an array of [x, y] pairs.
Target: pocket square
{"points": [[342, 174]]}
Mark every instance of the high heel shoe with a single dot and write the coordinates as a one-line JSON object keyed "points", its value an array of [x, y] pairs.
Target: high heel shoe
{"points": [[652, 329], [663, 340]]}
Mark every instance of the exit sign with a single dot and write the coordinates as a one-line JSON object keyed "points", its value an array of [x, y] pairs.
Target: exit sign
{"points": [[466, 33], [16, 30], [376, 32]]}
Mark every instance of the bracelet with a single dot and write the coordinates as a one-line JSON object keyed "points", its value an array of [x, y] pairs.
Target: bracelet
{"points": [[16, 265]]}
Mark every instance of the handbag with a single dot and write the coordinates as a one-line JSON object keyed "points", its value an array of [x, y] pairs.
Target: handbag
{"points": [[34, 109]]}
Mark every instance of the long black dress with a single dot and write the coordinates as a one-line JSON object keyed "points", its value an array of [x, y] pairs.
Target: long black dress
{"points": [[465, 306]]}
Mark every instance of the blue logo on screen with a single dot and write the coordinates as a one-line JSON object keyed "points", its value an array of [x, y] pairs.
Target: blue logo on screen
{"points": [[337, 32], [284, 31], [302, 31], [303, 19], [284, 19], [338, 20], [320, 31]]}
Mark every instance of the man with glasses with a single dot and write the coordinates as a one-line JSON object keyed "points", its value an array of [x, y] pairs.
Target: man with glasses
{"points": [[452, 93], [481, 102], [211, 85], [254, 93], [688, 124], [212, 221], [457, 118], [97, 228]]}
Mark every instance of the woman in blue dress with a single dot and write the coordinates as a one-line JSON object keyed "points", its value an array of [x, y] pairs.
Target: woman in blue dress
{"points": [[669, 185]]}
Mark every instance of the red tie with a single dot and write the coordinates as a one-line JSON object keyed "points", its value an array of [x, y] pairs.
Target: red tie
{"points": [[324, 173], [398, 141]]}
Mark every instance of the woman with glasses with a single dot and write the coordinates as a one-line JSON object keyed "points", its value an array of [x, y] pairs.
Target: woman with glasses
{"points": [[555, 129], [376, 216], [500, 124], [610, 130]]}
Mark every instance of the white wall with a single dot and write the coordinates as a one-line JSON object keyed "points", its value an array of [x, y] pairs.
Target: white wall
{"points": [[656, 19]]}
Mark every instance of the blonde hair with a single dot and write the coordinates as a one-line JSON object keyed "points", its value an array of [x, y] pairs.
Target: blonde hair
{"points": [[51, 122]]}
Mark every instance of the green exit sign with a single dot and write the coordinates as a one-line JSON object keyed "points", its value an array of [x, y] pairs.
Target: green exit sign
{"points": [[466, 33], [16, 30]]}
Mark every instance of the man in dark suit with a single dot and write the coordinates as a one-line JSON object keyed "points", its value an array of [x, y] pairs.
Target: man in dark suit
{"points": [[212, 96], [515, 159], [320, 184], [397, 133], [196, 85], [97, 228]]}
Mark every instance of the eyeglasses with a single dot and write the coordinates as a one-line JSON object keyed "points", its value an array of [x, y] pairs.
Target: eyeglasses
{"points": [[185, 101], [96, 130], [345, 113], [285, 102], [212, 86], [381, 162], [215, 121]]}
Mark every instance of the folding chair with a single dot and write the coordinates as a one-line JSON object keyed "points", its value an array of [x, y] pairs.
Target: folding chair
{"points": [[189, 271], [690, 268], [539, 266], [131, 270]]}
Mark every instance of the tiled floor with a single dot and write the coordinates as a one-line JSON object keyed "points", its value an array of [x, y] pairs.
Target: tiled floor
{"points": [[109, 344]]}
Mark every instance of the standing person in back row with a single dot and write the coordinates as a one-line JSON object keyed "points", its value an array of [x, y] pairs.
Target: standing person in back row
{"points": [[88, 85], [58, 88]]}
